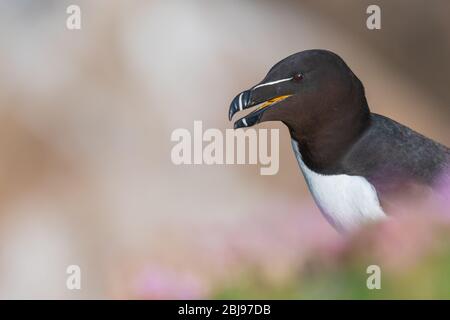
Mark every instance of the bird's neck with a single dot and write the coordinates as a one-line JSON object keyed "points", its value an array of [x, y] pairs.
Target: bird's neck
{"points": [[324, 144]]}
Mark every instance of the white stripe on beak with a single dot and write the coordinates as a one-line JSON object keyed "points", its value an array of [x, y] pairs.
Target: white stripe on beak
{"points": [[244, 121], [240, 101]]}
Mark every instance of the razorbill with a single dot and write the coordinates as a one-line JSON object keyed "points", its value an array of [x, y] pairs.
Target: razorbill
{"points": [[354, 161]]}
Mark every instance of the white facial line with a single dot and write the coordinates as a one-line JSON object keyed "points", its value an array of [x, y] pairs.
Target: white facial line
{"points": [[240, 102], [272, 82], [244, 121]]}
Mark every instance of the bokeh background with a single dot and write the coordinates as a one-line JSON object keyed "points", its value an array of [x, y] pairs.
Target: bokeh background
{"points": [[85, 170]]}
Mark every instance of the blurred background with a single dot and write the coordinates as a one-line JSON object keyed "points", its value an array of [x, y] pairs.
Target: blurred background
{"points": [[85, 171]]}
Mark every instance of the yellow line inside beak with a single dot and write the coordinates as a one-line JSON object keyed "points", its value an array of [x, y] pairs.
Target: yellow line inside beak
{"points": [[272, 101]]}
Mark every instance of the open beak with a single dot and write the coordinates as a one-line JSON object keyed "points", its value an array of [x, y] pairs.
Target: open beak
{"points": [[245, 100]]}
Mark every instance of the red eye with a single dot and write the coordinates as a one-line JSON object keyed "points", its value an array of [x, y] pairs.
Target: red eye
{"points": [[297, 77]]}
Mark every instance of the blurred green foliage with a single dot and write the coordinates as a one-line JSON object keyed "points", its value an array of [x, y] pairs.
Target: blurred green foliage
{"points": [[427, 278]]}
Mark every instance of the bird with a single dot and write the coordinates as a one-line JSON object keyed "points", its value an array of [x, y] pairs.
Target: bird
{"points": [[354, 161]]}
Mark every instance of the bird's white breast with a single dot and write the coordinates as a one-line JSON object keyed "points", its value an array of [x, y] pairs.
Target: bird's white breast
{"points": [[346, 201]]}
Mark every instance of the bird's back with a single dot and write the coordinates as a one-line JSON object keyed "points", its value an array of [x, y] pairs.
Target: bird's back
{"points": [[393, 157]]}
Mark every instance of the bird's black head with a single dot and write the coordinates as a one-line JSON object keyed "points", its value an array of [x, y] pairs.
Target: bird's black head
{"points": [[313, 92]]}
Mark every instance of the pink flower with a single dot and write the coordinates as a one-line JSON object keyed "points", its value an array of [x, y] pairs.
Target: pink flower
{"points": [[158, 282]]}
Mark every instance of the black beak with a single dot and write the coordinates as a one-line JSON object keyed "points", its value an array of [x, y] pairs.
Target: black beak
{"points": [[239, 103], [249, 120], [251, 98], [242, 101]]}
